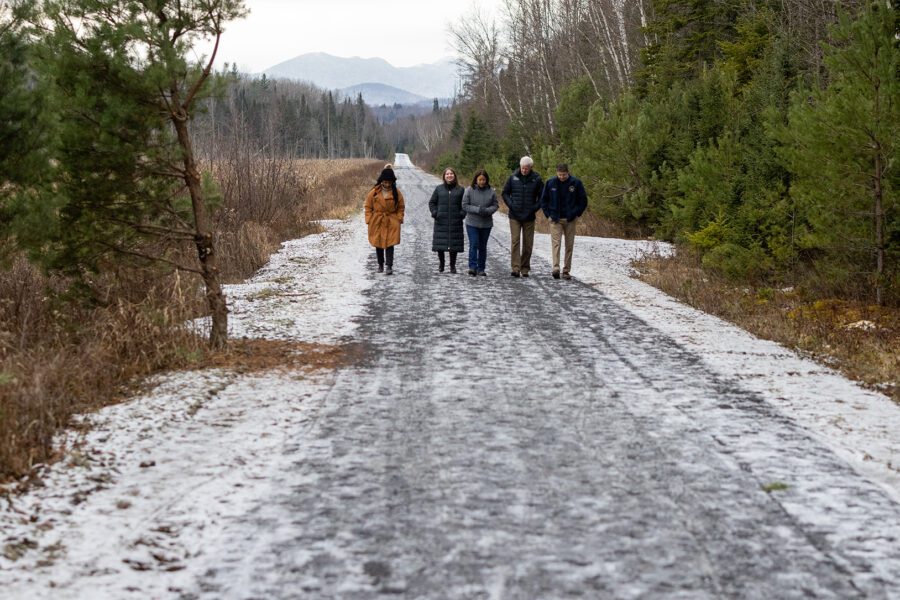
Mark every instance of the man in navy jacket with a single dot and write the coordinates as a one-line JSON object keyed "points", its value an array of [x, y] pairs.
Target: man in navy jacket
{"points": [[563, 201]]}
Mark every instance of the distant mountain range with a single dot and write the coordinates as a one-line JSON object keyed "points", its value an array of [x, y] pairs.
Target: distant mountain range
{"points": [[379, 81], [376, 94]]}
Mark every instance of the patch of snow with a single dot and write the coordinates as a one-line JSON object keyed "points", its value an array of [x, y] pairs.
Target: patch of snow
{"points": [[310, 291], [149, 487], [862, 325]]}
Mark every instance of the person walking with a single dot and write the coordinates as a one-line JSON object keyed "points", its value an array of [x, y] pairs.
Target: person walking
{"points": [[563, 201], [446, 210], [522, 196], [479, 203], [385, 209]]}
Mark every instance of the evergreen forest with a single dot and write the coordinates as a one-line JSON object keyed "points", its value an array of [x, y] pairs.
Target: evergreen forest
{"points": [[761, 135]]}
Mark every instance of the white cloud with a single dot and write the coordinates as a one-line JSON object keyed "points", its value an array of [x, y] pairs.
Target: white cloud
{"points": [[403, 32]]}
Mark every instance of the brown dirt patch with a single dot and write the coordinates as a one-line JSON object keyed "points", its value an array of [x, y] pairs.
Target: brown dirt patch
{"points": [[254, 355]]}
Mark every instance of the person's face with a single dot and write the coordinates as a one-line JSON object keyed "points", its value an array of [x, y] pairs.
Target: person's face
{"points": [[562, 175], [449, 177], [526, 169], [481, 181], [385, 185]]}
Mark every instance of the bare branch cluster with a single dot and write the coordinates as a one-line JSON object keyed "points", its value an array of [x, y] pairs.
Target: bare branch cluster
{"points": [[522, 64]]}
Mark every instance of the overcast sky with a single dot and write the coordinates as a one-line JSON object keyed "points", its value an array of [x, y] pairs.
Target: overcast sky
{"points": [[403, 32]]}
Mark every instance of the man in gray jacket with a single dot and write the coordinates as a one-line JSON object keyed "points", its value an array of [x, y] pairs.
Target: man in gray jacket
{"points": [[522, 196]]}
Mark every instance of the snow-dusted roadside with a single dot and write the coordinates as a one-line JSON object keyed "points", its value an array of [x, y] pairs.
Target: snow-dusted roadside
{"points": [[309, 291], [861, 426], [152, 484]]}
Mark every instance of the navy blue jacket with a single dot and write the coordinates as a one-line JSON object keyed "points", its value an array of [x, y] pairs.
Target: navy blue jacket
{"points": [[522, 195], [564, 200]]}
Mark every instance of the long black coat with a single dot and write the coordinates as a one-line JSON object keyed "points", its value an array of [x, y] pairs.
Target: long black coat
{"points": [[446, 210]]}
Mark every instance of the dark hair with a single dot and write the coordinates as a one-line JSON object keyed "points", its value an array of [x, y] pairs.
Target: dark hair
{"points": [[478, 174], [562, 168], [455, 176], [387, 173], [393, 187]]}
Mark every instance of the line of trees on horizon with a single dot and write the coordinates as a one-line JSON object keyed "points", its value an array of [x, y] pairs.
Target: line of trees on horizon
{"points": [[762, 135], [292, 118]]}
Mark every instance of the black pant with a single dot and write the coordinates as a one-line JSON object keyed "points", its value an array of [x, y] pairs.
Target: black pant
{"points": [[453, 254], [382, 253]]}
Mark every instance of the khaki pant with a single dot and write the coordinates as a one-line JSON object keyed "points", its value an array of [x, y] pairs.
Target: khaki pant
{"points": [[557, 230], [521, 249]]}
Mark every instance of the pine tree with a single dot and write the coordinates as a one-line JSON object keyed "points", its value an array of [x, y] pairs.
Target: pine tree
{"points": [[477, 146], [127, 153], [25, 139], [618, 152], [574, 105], [841, 146], [686, 38], [456, 130]]}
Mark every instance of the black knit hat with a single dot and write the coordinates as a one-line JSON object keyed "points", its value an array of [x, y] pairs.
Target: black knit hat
{"points": [[387, 174]]}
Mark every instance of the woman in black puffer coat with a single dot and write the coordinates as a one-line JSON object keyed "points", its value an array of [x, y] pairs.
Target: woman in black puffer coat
{"points": [[446, 210]]}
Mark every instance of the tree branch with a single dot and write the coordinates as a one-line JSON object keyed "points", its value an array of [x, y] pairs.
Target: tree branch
{"points": [[151, 258], [189, 99]]}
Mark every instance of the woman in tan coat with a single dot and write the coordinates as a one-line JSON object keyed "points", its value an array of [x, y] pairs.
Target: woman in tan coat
{"points": [[384, 215]]}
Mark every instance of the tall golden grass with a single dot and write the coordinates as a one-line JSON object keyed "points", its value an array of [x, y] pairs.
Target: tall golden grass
{"points": [[267, 201], [59, 358]]}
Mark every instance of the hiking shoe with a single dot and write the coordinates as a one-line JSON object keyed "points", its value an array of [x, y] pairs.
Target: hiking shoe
{"points": [[555, 274], [441, 268], [381, 268], [514, 274], [471, 272], [482, 273], [389, 271], [567, 276], [524, 274], [452, 269]]}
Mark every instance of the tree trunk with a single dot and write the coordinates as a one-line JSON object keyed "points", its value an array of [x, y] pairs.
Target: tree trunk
{"points": [[203, 238], [878, 194]]}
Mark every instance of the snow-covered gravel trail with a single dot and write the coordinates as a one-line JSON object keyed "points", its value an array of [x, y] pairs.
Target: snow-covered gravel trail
{"points": [[499, 438]]}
